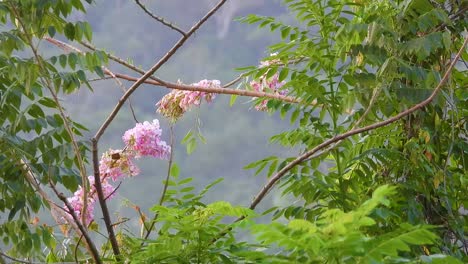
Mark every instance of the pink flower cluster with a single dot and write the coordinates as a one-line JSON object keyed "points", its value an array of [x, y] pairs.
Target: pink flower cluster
{"points": [[145, 140], [174, 104], [270, 85], [77, 201], [142, 140]]}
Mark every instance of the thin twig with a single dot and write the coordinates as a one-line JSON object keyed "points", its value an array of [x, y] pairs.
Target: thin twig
{"points": [[373, 99], [155, 67], [121, 222], [75, 251], [234, 81], [160, 19], [258, 198], [18, 260], [166, 183]]}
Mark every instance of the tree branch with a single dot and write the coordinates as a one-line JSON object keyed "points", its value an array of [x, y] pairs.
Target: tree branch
{"points": [[160, 82], [186, 87], [258, 198], [160, 19], [102, 200], [119, 61]]}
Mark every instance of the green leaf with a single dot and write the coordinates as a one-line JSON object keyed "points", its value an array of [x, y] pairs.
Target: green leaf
{"points": [[191, 145], [175, 170], [187, 137], [285, 32], [72, 60], [69, 31], [63, 60], [98, 70], [295, 115], [53, 59], [51, 31], [88, 32], [233, 99], [283, 74]]}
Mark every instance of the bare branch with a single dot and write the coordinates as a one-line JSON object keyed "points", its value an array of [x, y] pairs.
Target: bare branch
{"points": [[160, 82], [18, 260], [160, 19], [258, 198], [136, 69], [213, 90], [102, 200]]}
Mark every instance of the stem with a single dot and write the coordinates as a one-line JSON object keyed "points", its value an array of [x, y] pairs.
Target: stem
{"points": [[16, 259], [166, 183]]}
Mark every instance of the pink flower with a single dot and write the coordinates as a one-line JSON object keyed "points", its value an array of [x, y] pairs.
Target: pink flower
{"points": [[145, 140], [116, 164], [169, 106], [77, 200], [174, 104]]}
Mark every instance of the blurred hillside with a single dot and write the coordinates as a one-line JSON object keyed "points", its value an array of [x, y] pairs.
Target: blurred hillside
{"points": [[235, 135]]}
